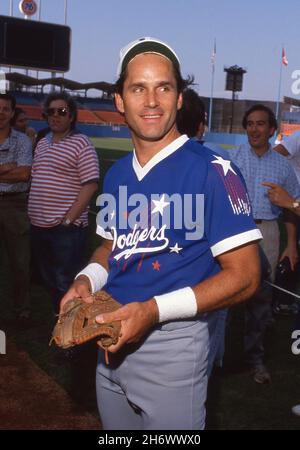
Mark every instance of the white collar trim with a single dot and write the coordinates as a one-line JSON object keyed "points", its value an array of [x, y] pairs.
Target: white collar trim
{"points": [[141, 172]]}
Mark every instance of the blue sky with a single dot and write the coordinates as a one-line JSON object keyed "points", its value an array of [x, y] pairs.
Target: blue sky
{"points": [[249, 34]]}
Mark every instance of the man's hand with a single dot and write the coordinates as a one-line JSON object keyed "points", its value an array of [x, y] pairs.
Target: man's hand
{"points": [[136, 319], [278, 196], [80, 288], [4, 168], [292, 254]]}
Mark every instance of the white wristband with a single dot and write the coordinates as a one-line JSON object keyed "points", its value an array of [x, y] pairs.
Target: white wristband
{"points": [[97, 275], [180, 304]]}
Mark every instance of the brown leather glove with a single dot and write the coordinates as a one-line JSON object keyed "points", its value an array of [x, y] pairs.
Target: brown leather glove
{"points": [[77, 325]]}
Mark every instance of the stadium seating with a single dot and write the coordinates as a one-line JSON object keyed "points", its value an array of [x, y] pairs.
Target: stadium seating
{"points": [[288, 128], [96, 117], [86, 116], [110, 117], [33, 112]]}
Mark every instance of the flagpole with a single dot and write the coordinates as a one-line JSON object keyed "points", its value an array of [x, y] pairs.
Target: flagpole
{"points": [[279, 90], [212, 87], [283, 60], [211, 97]]}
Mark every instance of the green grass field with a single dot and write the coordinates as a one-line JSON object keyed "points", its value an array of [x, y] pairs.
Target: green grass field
{"points": [[111, 149], [112, 143], [113, 146]]}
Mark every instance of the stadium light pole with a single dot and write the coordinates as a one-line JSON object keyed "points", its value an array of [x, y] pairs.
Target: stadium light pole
{"points": [[66, 11], [39, 19], [40, 10], [11, 13], [65, 21]]}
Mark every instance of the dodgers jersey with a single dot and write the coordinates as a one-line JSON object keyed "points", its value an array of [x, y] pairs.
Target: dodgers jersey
{"points": [[170, 219]]}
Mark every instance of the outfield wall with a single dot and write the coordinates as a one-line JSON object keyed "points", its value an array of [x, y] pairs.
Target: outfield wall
{"points": [[105, 131], [117, 131]]}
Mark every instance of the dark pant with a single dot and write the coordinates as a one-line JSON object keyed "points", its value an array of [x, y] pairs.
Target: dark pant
{"points": [[58, 253], [256, 320], [14, 232]]}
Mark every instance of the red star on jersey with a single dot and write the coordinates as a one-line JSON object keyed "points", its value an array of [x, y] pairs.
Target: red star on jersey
{"points": [[156, 265]]}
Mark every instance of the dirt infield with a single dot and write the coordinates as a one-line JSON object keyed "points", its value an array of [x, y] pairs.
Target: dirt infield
{"points": [[31, 400]]}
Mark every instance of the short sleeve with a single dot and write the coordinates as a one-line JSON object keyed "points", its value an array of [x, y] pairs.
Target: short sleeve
{"points": [[291, 184], [292, 144], [102, 221], [88, 165], [228, 217], [24, 152]]}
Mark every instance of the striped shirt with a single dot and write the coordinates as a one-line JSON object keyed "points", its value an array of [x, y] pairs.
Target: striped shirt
{"points": [[59, 171]]}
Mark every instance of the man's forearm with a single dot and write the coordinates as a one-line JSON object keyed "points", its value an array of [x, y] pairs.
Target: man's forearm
{"points": [[94, 275], [228, 287], [19, 174], [5, 168], [238, 280], [281, 149], [290, 222], [82, 201], [101, 254]]}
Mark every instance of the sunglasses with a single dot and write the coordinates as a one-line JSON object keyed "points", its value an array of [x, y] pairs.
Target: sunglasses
{"points": [[60, 111]]}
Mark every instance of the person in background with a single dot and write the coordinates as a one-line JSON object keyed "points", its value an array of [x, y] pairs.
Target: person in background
{"points": [[280, 197], [19, 123], [290, 148], [65, 175], [15, 168], [190, 120], [258, 163]]}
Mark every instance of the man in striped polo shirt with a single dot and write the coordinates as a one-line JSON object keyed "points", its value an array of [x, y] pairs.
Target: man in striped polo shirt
{"points": [[65, 176]]}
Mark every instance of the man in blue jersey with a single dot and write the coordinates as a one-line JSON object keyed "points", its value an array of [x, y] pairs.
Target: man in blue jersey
{"points": [[179, 243]]}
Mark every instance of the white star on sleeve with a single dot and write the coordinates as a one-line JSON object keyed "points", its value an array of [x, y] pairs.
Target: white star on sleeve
{"points": [[226, 164]]}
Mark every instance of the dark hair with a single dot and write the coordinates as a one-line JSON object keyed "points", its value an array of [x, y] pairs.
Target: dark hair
{"points": [[18, 111], [260, 107], [9, 98], [192, 113], [180, 81], [71, 104]]}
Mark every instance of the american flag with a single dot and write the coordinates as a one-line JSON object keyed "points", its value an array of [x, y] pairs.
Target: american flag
{"points": [[284, 58]]}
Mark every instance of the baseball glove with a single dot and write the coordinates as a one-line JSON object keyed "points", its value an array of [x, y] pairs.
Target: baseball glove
{"points": [[77, 325]]}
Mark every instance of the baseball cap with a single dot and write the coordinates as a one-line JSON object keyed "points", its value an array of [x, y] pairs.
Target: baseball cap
{"points": [[145, 45]]}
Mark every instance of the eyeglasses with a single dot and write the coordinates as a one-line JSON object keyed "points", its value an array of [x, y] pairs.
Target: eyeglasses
{"points": [[60, 111]]}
